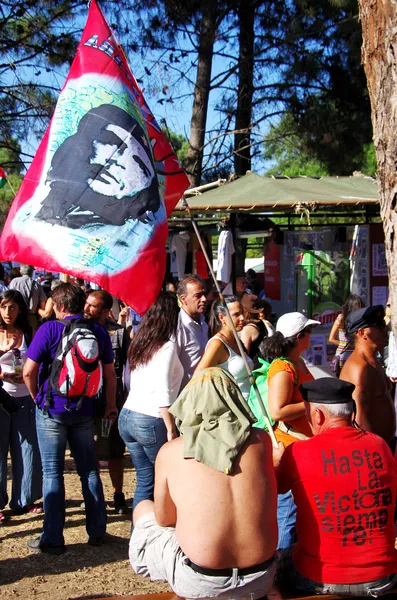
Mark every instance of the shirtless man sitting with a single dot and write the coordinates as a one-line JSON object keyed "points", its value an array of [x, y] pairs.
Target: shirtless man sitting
{"points": [[209, 533], [375, 407]]}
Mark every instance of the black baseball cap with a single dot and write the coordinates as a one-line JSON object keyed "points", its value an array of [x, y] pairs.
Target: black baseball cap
{"points": [[365, 317], [327, 390]]}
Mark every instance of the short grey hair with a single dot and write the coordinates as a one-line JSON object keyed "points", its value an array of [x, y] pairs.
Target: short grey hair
{"points": [[182, 285], [344, 410], [26, 270]]}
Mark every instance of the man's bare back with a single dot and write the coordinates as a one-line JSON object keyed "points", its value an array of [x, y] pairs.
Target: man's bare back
{"points": [[223, 521], [375, 407]]}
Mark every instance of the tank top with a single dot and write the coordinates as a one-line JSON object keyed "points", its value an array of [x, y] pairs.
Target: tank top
{"points": [[301, 423], [346, 345], [236, 367], [18, 390]]}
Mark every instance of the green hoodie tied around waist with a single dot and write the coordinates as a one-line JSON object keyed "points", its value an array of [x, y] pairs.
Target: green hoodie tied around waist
{"points": [[213, 418]]}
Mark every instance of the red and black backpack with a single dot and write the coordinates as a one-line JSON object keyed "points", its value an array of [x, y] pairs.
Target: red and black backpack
{"points": [[76, 371]]}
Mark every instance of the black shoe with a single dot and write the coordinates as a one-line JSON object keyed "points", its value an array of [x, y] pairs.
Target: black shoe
{"points": [[120, 505], [95, 541], [36, 545]]}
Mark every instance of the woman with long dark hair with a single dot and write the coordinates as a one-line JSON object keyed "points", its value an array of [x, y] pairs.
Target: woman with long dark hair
{"points": [[17, 431], [153, 377], [222, 350], [254, 330], [338, 335]]}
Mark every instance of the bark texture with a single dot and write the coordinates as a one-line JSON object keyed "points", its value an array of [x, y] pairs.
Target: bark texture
{"points": [[201, 91], [242, 139], [379, 56]]}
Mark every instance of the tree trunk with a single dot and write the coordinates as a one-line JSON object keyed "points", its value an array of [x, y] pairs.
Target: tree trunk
{"points": [[379, 56], [194, 161], [242, 141]]}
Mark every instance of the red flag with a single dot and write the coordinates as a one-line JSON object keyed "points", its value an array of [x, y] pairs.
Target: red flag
{"points": [[3, 177], [95, 200]]}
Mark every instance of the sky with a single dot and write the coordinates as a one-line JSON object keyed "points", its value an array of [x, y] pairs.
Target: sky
{"points": [[177, 114]]}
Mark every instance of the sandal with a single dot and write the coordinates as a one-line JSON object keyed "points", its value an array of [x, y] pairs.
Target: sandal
{"points": [[2, 517], [32, 509]]}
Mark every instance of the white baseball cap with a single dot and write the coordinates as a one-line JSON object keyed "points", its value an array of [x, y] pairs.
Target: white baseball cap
{"points": [[292, 323]]}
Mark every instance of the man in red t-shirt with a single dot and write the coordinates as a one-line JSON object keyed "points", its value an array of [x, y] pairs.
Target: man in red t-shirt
{"points": [[344, 483]]}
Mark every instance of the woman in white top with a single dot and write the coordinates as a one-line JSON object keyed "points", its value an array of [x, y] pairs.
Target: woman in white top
{"points": [[222, 350], [155, 375], [18, 430]]}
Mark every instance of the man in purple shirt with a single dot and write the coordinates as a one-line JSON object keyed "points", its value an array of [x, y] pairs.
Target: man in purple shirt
{"points": [[57, 425]]}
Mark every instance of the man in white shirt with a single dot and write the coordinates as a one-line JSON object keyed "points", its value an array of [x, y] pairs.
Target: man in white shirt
{"points": [[192, 333]]}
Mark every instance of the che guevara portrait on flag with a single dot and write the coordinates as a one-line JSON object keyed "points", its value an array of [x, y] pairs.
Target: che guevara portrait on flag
{"points": [[95, 200], [110, 160], [100, 194]]}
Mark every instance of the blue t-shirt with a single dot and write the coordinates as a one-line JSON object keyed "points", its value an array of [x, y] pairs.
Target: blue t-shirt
{"points": [[42, 350]]}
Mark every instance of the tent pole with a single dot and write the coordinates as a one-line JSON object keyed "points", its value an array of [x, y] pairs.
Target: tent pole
{"points": [[230, 321]]}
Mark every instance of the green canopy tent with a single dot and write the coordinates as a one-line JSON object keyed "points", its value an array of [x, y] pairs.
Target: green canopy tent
{"points": [[255, 193]]}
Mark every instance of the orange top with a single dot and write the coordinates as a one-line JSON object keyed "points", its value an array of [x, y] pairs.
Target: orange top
{"points": [[300, 424]]}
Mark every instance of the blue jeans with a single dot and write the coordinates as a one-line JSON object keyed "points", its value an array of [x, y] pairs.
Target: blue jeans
{"points": [[53, 432], [143, 435], [18, 434], [286, 518]]}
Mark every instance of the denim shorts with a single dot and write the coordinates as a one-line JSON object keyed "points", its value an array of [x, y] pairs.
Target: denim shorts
{"points": [[155, 553]]}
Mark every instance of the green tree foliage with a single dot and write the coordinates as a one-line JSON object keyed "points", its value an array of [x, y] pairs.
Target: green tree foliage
{"points": [[35, 40], [305, 60], [285, 147], [292, 155], [179, 144], [369, 165], [38, 39], [9, 160], [325, 87]]}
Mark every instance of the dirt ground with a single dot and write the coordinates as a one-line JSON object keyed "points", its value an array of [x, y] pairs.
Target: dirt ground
{"points": [[83, 571]]}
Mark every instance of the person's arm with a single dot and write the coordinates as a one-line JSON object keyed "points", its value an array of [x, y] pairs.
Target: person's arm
{"points": [[214, 354], [362, 400], [280, 390], [164, 507], [249, 335], [47, 312], [277, 454], [30, 376], [333, 336], [123, 314], [169, 423]]}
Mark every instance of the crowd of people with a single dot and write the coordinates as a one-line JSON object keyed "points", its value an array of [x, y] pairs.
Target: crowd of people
{"points": [[217, 509]]}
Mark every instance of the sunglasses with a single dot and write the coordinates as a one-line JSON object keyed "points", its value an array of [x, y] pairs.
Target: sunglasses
{"points": [[307, 329]]}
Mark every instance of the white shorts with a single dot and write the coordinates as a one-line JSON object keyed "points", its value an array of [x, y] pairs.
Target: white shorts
{"points": [[155, 553]]}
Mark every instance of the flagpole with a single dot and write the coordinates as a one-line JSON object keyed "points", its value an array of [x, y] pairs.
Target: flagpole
{"points": [[230, 321], [11, 188]]}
